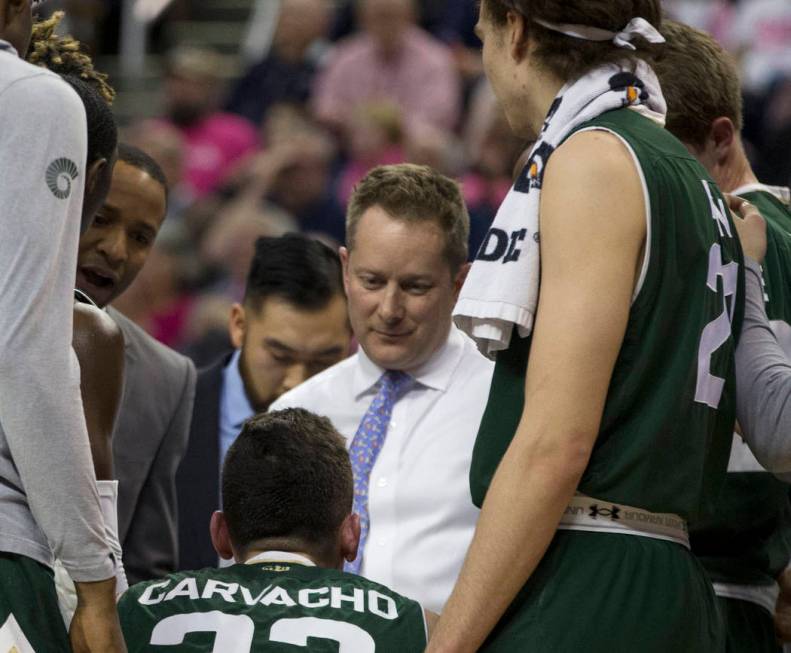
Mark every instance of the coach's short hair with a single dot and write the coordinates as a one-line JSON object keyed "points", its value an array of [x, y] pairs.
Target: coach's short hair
{"points": [[287, 477], [700, 82], [302, 271], [414, 193]]}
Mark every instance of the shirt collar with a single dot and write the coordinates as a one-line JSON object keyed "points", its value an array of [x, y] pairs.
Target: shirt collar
{"points": [[5, 45], [435, 373], [280, 556], [236, 406]]}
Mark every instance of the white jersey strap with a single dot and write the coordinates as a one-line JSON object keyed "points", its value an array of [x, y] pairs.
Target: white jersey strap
{"points": [[782, 193], [763, 595], [588, 514], [280, 556]]}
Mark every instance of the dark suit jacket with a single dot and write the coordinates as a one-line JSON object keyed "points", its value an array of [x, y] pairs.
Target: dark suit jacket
{"points": [[149, 440], [198, 478]]}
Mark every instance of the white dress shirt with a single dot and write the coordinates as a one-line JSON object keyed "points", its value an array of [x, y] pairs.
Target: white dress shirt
{"points": [[422, 516]]}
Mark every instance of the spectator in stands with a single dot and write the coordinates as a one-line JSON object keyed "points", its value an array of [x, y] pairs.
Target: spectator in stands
{"points": [[165, 144], [286, 73], [214, 140], [409, 403], [374, 137], [761, 38], [285, 187], [291, 325], [391, 58]]}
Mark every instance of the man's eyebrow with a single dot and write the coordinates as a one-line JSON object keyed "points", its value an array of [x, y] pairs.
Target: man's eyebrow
{"points": [[274, 343], [110, 208]]}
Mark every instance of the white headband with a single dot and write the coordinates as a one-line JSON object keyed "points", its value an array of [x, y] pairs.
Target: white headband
{"points": [[622, 39]]}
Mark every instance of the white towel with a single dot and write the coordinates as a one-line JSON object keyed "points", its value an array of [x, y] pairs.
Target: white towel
{"points": [[501, 289]]}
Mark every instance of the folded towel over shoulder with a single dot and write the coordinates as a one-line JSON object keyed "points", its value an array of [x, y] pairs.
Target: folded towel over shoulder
{"points": [[501, 290]]}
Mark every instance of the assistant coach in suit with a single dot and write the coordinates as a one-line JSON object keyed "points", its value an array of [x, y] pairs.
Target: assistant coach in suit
{"points": [[156, 407], [291, 325]]}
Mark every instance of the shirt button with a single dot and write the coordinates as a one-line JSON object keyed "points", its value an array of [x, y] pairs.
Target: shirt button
{"points": [[382, 541], [393, 424], [382, 482]]}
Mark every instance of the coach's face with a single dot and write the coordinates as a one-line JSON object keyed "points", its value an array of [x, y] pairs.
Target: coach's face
{"points": [[401, 289], [115, 247]]}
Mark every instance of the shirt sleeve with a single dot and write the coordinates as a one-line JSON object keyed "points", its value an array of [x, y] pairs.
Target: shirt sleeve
{"points": [[42, 155], [763, 382]]}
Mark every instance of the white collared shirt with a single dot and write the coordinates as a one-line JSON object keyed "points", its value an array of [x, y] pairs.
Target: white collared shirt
{"points": [[422, 516]]}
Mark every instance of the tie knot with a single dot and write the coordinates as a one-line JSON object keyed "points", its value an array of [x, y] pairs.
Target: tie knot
{"points": [[394, 381]]}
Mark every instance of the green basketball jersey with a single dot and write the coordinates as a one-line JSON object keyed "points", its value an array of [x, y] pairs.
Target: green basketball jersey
{"points": [[748, 539], [270, 606], [666, 429]]}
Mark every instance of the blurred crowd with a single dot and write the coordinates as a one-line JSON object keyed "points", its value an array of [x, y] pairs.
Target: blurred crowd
{"points": [[341, 87]]}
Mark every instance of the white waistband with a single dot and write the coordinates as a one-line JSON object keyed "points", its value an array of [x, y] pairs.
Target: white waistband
{"points": [[763, 595], [588, 514]]}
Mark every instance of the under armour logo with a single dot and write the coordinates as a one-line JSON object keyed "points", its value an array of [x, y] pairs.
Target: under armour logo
{"points": [[60, 173], [613, 512]]}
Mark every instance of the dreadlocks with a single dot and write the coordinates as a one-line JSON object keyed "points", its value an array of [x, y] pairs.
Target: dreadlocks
{"points": [[63, 55]]}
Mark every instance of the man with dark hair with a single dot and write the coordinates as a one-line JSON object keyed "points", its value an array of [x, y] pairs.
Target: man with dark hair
{"points": [[747, 544], [48, 498], [287, 522], [410, 400], [291, 325], [153, 423]]}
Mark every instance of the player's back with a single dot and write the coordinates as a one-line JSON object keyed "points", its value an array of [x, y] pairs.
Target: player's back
{"points": [[274, 603]]}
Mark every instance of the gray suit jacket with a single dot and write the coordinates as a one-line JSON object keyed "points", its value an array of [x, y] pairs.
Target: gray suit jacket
{"points": [[149, 441]]}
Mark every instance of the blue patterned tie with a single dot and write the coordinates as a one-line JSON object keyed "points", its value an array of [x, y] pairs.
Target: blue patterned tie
{"points": [[365, 448]]}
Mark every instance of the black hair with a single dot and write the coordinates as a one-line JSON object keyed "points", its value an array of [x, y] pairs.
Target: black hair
{"points": [[300, 270], [136, 158], [102, 130], [287, 477]]}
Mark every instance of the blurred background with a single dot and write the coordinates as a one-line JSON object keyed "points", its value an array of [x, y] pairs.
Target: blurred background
{"points": [[265, 113]]}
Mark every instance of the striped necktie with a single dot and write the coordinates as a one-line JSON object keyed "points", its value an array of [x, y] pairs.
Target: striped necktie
{"points": [[365, 448]]}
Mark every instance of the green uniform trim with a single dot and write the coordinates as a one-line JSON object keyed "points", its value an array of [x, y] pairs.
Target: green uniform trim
{"points": [[27, 591]]}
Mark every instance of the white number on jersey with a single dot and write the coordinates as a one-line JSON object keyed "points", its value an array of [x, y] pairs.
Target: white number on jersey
{"points": [[708, 389], [234, 633]]}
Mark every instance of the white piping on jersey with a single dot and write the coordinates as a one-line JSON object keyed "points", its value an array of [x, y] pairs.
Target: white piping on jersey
{"points": [[762, 595], [280, 556], [779, 192], [647, 254]]}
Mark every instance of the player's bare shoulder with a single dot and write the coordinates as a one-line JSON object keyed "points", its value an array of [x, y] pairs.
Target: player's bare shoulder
{"points": [[95, 330]]}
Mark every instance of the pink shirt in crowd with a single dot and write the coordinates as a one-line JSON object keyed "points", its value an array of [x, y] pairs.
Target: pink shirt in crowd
{"points": [[422, 79], [213, 145]]}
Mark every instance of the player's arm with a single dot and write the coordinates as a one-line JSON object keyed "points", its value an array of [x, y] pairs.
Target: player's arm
{"points": [[40, 405], [763, 370], [592, 234], [99, 346]]}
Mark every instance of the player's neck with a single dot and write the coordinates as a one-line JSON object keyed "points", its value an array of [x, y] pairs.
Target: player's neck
{"points": [[737, 172]]}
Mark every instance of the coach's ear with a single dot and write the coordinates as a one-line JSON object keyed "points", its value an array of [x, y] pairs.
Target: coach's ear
{"points": [[220, 538], [350, 536]]}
